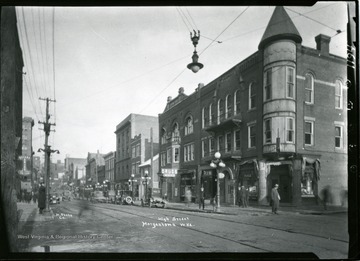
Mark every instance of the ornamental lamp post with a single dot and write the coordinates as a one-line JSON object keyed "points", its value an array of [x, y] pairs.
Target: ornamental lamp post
{"points": [[218, 164], [131, 181], [145, 179]]}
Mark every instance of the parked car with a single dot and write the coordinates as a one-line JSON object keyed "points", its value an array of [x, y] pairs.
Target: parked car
{"points": [[54, 199], [98, 197], [157, 202], [124, 197]]}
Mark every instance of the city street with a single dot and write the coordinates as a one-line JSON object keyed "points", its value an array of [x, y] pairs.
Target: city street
{"points": [[122, 228]]}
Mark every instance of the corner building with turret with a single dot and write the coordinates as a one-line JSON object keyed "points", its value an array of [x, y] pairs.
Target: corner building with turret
{"points": [[277, 117]]}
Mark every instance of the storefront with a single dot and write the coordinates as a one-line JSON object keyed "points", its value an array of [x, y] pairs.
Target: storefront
{"points": [[248, 177], [188, 181], [167, 180]]}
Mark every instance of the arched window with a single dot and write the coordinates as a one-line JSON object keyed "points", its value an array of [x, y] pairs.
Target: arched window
{"points": [[175, 133], [221, 111], [252, 95], [211, 114], [338, 94], [189, 127], [163, 136], [229, 106], [204, 117], [237, 102], [309, 88]]}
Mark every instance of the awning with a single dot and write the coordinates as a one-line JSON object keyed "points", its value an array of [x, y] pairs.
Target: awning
{"points": [[316, 165]]}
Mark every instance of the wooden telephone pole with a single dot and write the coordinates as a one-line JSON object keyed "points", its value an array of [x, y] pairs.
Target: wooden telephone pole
{"points": [[47, 150]]}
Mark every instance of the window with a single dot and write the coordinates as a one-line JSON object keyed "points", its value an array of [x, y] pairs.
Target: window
{"points": [[338, 95], [252, 95], [176, 155], [163, 159], [211, 145], [237, 102], [133, 168], [290, 130], [137, 168], [205, 147], [137, 150], [267, 83], [308, 181], [229, 111], [133, 152], [189, 125], [338, 137], [268, 131], [309, 133], [203, 119], [228, 142], [309, 88], [290, 82], [221, 112], [252, 136], [189, 152], [163, 136], [175, 133], [237, 140], [168, 155], [220, 143], [211, 114]]}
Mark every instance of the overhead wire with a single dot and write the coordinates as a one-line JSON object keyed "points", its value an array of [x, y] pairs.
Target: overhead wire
{"points": [[191, 18], [42, 53]]}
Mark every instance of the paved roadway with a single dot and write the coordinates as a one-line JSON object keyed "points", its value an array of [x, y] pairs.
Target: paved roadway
{"points": [[129, 229]]}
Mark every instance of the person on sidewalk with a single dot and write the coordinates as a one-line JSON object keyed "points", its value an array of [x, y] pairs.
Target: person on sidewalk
{"points": [[202, 199], [247, 196], [275, 198], [243, 197], [188, 196], [42, 198]]}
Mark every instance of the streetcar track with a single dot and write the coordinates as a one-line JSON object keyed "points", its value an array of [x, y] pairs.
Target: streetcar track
{"points": [[245, 223]]}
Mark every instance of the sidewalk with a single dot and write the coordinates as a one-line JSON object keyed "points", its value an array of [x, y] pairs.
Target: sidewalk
{"points": [[236, 210], [29, 212]]}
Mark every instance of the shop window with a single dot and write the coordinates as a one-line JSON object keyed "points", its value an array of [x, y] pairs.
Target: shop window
{"points": [[308, 180]]}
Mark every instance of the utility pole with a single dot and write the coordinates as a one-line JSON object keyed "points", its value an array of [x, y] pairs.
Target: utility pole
{"points": [[47, 150]]}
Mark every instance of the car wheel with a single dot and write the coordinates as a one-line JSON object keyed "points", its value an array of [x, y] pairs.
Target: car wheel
{"points": [[128, 200]]}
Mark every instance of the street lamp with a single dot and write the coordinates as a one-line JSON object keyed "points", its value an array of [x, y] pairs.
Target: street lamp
{"points": [[131, 180], [145, 179], [218, 164], [195, 66]]}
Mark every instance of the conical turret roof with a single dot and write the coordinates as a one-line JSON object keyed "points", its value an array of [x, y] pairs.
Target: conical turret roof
{"points": [[280, 27]]}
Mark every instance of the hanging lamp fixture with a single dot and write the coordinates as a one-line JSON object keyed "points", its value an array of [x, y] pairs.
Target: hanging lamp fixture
{"points": [[195, 66]]}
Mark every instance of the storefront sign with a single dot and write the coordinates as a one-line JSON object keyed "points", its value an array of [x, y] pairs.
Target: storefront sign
{"points": [[169, 172]]}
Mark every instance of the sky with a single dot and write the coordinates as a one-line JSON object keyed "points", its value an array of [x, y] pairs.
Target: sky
{"points": [[102, 63]]}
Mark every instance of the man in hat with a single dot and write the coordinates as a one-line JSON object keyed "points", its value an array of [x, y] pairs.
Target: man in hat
{"points": [[275, 197], [42, 198]]}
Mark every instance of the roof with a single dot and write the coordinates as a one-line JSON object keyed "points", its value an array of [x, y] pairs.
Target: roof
{"points": [[148, 162], [280, 26]]}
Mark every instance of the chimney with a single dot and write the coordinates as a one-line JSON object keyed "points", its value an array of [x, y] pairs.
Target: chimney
{"points": [[181, 90], [169, 99], [200, 85], [323, 44]]}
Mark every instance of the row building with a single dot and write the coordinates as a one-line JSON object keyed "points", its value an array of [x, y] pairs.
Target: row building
{"points": [[277, 117]]}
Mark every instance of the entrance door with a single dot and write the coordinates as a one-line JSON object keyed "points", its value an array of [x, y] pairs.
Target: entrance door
{"points": [[280, 175], [284, 188], [169, 191]]}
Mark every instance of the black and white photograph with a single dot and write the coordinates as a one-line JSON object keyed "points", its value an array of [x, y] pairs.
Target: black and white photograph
{"points": [[180, 131]]}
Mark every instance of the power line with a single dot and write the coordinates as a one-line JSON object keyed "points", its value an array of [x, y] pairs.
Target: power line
{"points": [[53, 56], [42, 52], [183, 20], [191, 18]]}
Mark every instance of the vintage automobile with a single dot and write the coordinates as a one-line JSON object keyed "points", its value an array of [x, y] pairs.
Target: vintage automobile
{"points": [[54, 199], [154, 200], [124, 197], [98, 197]]}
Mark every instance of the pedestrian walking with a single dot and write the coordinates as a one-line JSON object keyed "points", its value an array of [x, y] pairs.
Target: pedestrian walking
{"points": [[202, 199], [35, 196], [42, 198], [275, 199], [188, 196]]}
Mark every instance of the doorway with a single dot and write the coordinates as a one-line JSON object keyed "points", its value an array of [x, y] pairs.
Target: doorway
{"points": [[280, 175]]}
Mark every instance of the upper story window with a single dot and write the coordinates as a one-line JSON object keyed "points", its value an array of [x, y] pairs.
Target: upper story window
{"points": [[267, 84], [211, 114], [309, 88], [229, 106], [290, 82], [203, 117], [267, 123], [237, 140], [163, 159], [211, 145], [228, 142], [163, 136], [168, 156], [338, 95], [133, 150], [176, 133], [189, 127], [221, 111], [205, 147], [189, 152], [252, 95], [220, 143], [338, 137], [237, 102], [251, 135], [290, 130], [176, 155], [309, 132]]}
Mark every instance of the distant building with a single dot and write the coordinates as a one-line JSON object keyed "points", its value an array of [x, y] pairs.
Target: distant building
{"points": [[109, 159], [94, 160], [26, 174], [133, 146], [277, 117], [75, 169]]}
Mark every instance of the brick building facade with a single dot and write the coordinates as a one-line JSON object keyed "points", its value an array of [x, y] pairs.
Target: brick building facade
{"points": [[277, 117]]}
